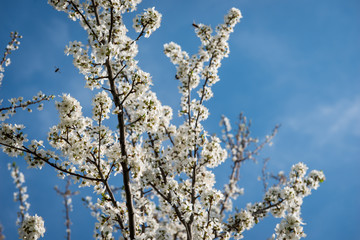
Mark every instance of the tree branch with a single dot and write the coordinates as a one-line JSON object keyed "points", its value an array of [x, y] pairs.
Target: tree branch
{"points": [[26, 150], [124, 163]]}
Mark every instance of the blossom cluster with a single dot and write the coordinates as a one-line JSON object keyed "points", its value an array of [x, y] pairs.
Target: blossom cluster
{"points": [[12, 138], [282, 202], [147, 22], [190, 70], [12, 46], [20, 196], [30, 227], [17, 103]]}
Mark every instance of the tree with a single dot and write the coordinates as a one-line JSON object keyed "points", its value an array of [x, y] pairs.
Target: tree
{"points": [[166, 171]]}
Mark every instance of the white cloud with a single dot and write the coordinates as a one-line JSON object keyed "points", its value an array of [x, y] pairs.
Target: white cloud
{"points": [[329, 124]]}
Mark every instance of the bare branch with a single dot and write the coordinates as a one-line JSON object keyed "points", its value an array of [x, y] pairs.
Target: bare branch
{"points": [[67, 203]]}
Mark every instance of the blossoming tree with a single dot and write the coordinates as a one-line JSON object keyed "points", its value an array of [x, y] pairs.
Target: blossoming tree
{"points": [[164, 173]]}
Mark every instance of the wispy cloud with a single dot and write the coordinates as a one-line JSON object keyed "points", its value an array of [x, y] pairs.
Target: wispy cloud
{"points": [[329, 124]]}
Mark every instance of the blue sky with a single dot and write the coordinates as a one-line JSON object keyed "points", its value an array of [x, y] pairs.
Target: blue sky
{"points": [[296, 63]]}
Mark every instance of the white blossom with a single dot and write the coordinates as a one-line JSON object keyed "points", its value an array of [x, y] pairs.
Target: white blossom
{"points": [[147, 22], [32, 228], [290, 228]]}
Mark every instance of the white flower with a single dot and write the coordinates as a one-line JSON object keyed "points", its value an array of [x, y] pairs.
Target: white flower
{"points": [[32, 228], [147, 22], [102, 104], [315, 178], [290, 228], [7, 62], [298, 170]]}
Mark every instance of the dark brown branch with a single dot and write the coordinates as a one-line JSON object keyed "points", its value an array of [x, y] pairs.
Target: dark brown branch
{"points": [[112, 198], [85, 20], [135, 121], [156, 152], [135, 40], [169, 135], [26, 150], [98, 78], [234, 225], [106, 89], [119, 72], [111, 21], [21, 105], [140, 35], [95, 12], [168, 200], [128, 94], [122, 141], [189, 100], [208, 219], [14, 36], [192, 194], [203, 92], [263, 210]]}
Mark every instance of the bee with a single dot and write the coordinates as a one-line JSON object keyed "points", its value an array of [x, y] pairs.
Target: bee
{"points": [[57, 69], [195, 25]]}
